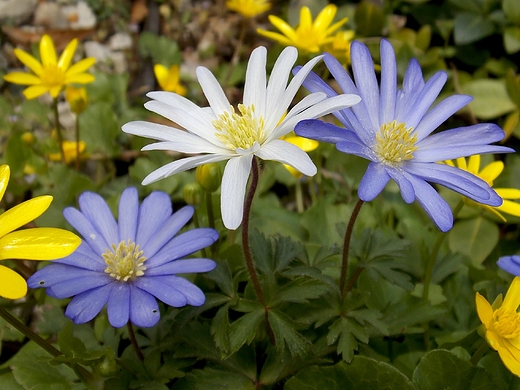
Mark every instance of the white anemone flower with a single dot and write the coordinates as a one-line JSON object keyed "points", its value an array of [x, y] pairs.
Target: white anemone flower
{"points": [[219, 132]]}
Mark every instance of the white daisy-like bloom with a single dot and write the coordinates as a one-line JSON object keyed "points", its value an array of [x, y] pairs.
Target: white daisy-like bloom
{"points": [[221, 132]]}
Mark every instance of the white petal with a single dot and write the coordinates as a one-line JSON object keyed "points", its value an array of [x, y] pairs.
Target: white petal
{"points": [[213, 91], [280, 76], [182, 165], [196, 145], [280, 104], [287, 153], [255, 88], [234, 182]]}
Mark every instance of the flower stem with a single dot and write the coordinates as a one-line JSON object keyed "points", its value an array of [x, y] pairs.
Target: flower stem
{"points": [[479, 353], [77, 143], [133, 340], [84, 375], [58, 129], [346, 247], [197, 225], [299, 197]]}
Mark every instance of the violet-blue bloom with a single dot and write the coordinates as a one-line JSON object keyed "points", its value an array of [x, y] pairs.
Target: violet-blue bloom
{"points": [[510, 264], [127, 264], [393, 129]]}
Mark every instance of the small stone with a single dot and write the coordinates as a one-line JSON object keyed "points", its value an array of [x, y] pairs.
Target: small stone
{"points": [[97, 50], [120, 41], [16, 11], [50, 15], [119, 62], [80, 16]]}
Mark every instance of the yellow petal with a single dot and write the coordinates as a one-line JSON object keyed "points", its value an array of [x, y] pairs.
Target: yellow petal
{"points": [[5, 172], [23, 213], [449, 162], [81, 66], [12, 285], [325, 17], [512, 298], [283, 27], [508, 193], [161, 74], [22, 78], [34, 91], [510, 207], [38, 244], [305, 144], [510, 357], [81, 78], [473, 164], [66, 56], [335, 26], [461, 163], [484, 310], [296, 173], [305, 18], [55, 90], [275, 37], [47, 51], [29, 61], [491, 171]]}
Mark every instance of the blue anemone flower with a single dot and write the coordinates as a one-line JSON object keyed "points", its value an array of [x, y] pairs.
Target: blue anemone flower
{"points": [[393, 129], [510, 264], [127, 264]]}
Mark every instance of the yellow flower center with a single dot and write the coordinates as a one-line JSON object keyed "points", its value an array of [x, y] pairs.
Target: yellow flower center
{"points": [[52, 76], [125, 261], [395, 143], [507, 323], [240, 130]]}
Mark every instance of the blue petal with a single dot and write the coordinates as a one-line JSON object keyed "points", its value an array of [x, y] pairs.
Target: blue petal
{"points": [[76, 286], [96, 210], [193, 294], [510, 264], [412, 85], [373, 182], [85, 306], [182, 267], [436, 207], [457, 180], [169, 229], [356, 147], [84, 227], [183, 245], [119, 304], [154, 211], [162, 291], [57, 273], [366, 82], [321, 131], [405, 187], [128, 212], [144, 310], [388, 83], [84, 257], [438, 114]]}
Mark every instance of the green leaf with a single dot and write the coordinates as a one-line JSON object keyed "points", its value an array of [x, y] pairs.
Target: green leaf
{"points": [[441, 369], [512, 39], [346, 332], [321, 219], [362, 374], [435, 296], [244, 330], [369, 18], [161, 49], [300, 290], [8, 382], [512, 10], [475, 238], [211, 379], [286, 335], [470, 27], [490, 98], [219, 328], [99, 129], [513, 87]]}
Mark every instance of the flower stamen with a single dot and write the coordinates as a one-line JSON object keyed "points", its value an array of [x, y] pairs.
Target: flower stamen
{"points": [[507, 323], [395, 143], [53, 76], [240, 130], [124, 261]]}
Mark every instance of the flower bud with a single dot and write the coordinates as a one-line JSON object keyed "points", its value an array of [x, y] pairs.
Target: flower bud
{"points": [[77, 99], [209, 176], [192, 194], [28, 138]]}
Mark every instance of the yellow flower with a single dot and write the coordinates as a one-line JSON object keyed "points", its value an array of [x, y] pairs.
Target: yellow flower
{"points": [[169, 78], [50, 75], [77, 98], [248, 8], [502, 324], [489, 173], [29, 244], [69, 149], [305, 144], [308, 36], [340, 46]]}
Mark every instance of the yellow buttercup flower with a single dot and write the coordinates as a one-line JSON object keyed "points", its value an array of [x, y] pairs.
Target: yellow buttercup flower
{"points": [[502, 325], [308, 36], [69, 149], [340, 46], [51, 74], [248, 8], [29, 244], [77, 99], [489, 173], [168, 79], [305, 144]]}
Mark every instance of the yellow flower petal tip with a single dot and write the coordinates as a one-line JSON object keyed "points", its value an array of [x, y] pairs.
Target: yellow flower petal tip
{"points": [[489, 173], [50, 75], [13, 286], [248, 8], [5, 173], [70, 150], [308, 36], [502, 326], [169, 79]]}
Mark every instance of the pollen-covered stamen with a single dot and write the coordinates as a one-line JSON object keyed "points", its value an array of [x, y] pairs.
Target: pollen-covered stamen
{"points": [[395, 143], [124, 261], [52, 76], [240, 130], [507, 323]]}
